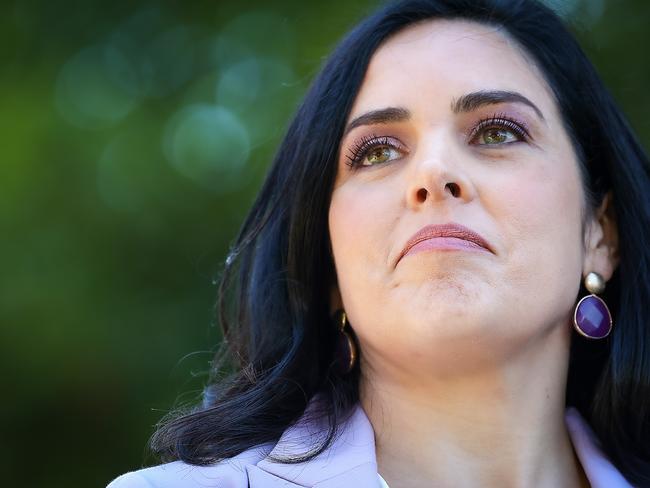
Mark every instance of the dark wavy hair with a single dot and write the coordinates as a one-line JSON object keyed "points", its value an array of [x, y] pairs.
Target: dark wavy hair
{"points": [[275, 288]]}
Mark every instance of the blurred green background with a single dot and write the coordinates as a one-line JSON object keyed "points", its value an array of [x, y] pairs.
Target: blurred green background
{"points": [[134, 138]]}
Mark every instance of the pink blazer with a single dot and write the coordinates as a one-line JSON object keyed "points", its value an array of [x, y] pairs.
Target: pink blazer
{"points": [[349, 462]]}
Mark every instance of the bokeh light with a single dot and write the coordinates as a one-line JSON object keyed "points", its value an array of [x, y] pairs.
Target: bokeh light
{"points": [[259, 32], [135, 137], [208, 144], [259, 91], [91, 91]]}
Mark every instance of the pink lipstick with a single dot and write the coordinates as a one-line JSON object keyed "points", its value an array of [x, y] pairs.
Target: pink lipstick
{"points": [[445, 237]]}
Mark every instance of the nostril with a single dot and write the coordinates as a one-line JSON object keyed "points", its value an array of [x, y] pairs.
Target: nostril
{"points": [[422, 195], [454, 189]]}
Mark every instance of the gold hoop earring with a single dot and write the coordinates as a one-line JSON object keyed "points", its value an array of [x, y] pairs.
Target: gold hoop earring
{"points": [[345, 356]]}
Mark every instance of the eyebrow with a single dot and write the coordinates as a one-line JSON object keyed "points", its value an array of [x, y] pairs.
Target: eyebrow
{"points": [[466, 103], [474, 100], [381, 116]]}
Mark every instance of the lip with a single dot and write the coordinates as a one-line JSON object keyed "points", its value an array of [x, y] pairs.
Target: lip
{"points": [[450, 236]]}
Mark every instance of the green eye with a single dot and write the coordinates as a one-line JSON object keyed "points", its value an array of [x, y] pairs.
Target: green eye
{"points": [[374, 151], [498, 136], [377, 155], [499, 130]]}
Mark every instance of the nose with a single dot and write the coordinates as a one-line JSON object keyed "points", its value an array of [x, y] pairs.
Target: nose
{"points": [[437, 176]]}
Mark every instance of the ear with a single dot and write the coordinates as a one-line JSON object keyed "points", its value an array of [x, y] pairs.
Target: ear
{"points": [[601, 241]]}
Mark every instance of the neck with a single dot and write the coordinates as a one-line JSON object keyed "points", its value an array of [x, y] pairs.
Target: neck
{"points": [[501, 425]]}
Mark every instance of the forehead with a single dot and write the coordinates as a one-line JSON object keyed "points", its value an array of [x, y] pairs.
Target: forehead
{"points": [[437, 60]]}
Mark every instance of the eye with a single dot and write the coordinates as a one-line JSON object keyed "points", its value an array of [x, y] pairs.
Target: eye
{"points": [[373, 150], [378, 154], [497, 136], [498, 130]]}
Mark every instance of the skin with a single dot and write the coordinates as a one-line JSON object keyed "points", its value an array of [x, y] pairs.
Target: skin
{"points": [[464, 354]]}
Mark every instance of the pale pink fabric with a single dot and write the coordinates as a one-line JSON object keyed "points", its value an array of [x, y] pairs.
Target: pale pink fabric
{"points": [[349, 462], [600, 471]]}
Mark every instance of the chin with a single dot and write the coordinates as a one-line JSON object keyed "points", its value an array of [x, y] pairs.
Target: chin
{"points": [[444, 297]]}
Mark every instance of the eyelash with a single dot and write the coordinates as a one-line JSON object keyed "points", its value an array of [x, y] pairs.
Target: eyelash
{"points": [[497, 121], [501, 121], [362, 147]]}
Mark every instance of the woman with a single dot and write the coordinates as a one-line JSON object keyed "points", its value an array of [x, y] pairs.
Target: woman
{"points": [[427, 278]]}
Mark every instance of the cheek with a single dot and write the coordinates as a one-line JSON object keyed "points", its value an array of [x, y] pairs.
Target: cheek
{"points": [[544, 228], [360, 223], [550, 202]]}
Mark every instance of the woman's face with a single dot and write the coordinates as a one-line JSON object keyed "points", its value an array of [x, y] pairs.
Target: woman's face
{"points": [[457, 126]]}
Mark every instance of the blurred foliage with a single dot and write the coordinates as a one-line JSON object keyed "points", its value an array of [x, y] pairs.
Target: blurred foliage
{"points": [[134, 137]]}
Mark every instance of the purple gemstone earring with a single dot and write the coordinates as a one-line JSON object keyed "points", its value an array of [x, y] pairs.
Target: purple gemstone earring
{"points": [[346, 351], [592, 318]]}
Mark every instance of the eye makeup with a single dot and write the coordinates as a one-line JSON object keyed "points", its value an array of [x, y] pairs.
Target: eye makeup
{"points": [[384, 147], [366, 144], [501, 121]]}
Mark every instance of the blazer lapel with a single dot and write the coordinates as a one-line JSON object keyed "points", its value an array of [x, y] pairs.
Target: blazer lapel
{"points": [[259, 478], [349, 461]]}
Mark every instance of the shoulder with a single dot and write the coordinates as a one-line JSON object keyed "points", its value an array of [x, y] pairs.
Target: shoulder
{"points": [[181, 475], [229, 473], [349, 460]]}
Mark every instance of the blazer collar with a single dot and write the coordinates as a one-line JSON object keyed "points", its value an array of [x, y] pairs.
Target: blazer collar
{"points": [[349, 461], [598, 468]]}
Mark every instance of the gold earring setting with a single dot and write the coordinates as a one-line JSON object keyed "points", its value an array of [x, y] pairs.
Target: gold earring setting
{"points": [[592, 318], [346, 350]]}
